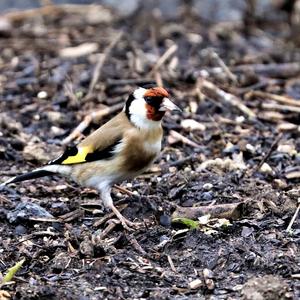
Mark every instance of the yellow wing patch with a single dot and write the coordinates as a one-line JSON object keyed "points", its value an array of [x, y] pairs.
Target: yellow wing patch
{"points": [[79, 157]]}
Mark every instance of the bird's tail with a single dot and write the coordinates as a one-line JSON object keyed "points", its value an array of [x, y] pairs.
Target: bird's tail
{"points": [[30, 175], [40, 172]]}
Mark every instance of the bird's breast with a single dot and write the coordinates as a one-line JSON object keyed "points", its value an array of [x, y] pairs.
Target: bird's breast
{"points": [[139, 159], [140, 153]]}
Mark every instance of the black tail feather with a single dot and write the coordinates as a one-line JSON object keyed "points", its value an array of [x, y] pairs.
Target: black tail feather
{"points": [[28, 176]]}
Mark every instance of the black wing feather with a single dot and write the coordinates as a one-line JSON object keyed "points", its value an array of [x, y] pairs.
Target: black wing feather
{"points": [[105, 153]]}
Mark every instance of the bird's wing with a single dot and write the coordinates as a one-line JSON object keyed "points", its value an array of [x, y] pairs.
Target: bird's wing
{"points": [[97, 146]]}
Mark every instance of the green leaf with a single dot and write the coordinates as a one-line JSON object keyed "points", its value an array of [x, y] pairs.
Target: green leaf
{"points": [[187, 222], [12, 271]]}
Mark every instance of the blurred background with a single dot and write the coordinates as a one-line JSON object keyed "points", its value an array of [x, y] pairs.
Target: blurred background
{"points": [[209, 10], [233, 66]]}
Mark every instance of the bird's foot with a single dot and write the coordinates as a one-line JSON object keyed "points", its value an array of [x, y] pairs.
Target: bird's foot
{"points": [[128, 225]]}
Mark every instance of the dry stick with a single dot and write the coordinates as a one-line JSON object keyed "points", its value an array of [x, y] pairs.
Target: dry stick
{"points": [[274, 144], [288, 229], [119, 82], [211, 90], [221, 63], [108, 216], [169, 52], [17, 16], [48, 10], [278, 98], [228, 211], [34, 234], [100, 63], [123, 190], [134, 243], [4, 199], [158, 79], [92, 117], [280, 107], [177, 136], [41, 219], [285, 70], [68, 217], [110, 227], [171, 264]]}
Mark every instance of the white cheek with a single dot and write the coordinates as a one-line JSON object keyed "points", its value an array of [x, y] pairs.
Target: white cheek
{"points": [[138, 108]]}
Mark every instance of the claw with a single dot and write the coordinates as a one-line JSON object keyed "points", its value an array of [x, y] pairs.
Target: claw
{"points": [[128, 225]]}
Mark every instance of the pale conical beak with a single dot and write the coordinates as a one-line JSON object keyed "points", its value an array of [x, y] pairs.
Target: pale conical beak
{"points": [[167, 104]]}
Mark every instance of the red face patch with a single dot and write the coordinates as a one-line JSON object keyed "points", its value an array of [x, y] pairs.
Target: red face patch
{"points": [[154, 98], [153, 114]]}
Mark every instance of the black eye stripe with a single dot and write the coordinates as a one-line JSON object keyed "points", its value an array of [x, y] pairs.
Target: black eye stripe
{"points": [[154, 101]]}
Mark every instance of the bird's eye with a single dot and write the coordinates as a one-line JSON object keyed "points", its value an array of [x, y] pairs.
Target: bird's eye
{"points": [[149, 100]]}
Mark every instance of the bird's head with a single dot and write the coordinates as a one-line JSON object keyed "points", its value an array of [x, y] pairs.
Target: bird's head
{"points": [[146, 107]]}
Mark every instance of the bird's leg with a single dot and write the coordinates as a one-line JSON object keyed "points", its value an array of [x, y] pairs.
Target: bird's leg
{"points": [[108, 202]]}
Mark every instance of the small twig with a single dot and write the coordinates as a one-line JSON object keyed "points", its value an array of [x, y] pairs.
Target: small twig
{"points": [[171, 264], [284, 70], [158, 79], [179, 137], [169, 52], [288, 229], [278, 98], [69, 92], [182, 161], [4, 199], [123, 190], [214, 92], [221, 63], [138, 81], [100, 63], [109, 228], [228, 211], [274, 144], [34, 234], [71, 216], [46, 220], [108, 216], [134, 243], [92, 117], [280, 107]]}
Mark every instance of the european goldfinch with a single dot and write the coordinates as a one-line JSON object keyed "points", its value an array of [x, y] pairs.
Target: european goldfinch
{"points": [[121, 149]]}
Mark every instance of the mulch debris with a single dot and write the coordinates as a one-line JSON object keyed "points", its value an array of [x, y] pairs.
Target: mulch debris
{"points": [[65, 70]]}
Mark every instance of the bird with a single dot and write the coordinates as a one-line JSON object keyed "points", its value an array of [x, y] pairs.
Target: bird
{"points": [[119, 150]]}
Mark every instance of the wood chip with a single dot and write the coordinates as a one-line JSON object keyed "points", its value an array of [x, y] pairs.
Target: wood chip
{"points": [[211, 90], [227, 211], [195, 284], [78, 51]]}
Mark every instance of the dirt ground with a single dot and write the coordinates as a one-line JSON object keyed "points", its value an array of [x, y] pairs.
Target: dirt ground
{"points": [[235, 142]]}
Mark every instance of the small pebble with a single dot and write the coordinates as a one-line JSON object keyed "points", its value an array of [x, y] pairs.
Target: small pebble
{"points": [[285, 148], [207, 186], [266, 169], [280, 184], [165, 220], [195, 284], [42, 95], [250, 148], [207, 196], [20, 230], [207, 273], [240, 119], [135, 193]]}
